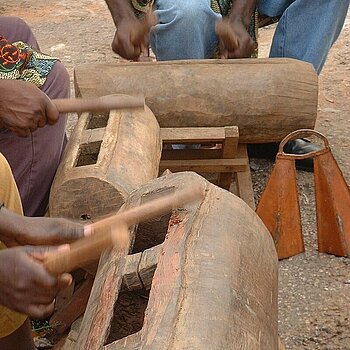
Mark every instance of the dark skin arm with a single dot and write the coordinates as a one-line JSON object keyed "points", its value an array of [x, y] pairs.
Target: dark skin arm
{"points": [[21, 230], [234, 39], [25, 285], [24, 107], [132, 35]]}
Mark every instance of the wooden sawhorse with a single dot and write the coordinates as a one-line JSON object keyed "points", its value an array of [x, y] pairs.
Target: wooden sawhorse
{"points": [[229, 159]]}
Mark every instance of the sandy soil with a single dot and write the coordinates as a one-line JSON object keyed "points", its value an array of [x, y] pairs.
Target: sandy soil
{"points": [[314, 289]]}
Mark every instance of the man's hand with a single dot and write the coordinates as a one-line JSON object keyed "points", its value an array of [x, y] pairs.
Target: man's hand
{"points": [[24, 107], [234, 39], [21, 230], [132, 37], [25, 285]]}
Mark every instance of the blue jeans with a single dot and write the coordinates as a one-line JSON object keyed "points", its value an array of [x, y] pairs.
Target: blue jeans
{"points": [[306, 30]]}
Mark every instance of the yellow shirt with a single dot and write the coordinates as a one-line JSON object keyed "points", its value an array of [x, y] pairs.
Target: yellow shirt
{"points": [[9, 320]]}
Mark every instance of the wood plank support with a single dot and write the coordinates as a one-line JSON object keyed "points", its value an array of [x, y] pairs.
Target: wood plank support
{"points": [[205, 165], [229, 160], [139, 269]]}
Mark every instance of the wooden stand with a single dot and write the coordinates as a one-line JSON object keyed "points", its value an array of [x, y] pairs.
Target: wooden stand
{"points": [[228, 159], [214, 284]]}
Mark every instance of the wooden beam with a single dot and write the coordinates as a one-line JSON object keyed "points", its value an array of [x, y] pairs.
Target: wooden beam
{"points": [[205, 165], [192, 135], [229, 150]]}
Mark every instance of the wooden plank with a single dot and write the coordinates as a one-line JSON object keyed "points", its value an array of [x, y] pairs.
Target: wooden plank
{"points": [[64, 317], [266, 98], [280, 344], [244, 180], [229, 150], [205, 165], [192, 135], [92, 135], [99, 311], [148, 265], [131, 279]]}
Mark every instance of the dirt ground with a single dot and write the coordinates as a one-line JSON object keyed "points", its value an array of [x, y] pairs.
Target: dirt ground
{"points": [[314, 289]]}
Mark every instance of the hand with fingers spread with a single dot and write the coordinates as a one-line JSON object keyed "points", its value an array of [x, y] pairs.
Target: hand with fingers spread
{"points": [[234, 39], [25, 285], [24, 107]]}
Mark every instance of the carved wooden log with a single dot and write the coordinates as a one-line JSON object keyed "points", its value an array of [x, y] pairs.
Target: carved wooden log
{"points": [[215, 285], [107, 156], [265, 98]]}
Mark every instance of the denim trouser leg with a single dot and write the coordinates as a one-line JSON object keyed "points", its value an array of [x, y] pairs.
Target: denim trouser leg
{"points": [[307, 28], [186, 30]]}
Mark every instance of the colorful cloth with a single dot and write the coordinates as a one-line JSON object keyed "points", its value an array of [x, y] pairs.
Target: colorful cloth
{"points": [[18, 60], [34, 159], [9, 320]]}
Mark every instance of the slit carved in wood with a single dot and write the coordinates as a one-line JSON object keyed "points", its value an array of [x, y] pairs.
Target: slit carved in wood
{"points": [[214, 287]]}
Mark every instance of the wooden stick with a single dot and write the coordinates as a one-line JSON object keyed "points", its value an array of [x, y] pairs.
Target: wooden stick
{"points": [[87, 249], [154, 208], [114, 231], [99, 104]]}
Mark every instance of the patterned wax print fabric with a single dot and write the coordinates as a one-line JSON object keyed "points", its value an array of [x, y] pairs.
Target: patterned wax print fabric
{"points": [[18, 60]]}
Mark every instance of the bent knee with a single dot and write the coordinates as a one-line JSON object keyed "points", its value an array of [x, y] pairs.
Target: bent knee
{"points": [[16, 29], [193, 13]]}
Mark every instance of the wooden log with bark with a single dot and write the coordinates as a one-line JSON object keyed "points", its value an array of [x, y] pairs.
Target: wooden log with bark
{"points": [[266, 98]]}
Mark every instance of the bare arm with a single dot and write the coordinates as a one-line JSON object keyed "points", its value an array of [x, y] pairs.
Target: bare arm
{"points": [[120, 10], [235, 41], [132, 35], [242, 10]]}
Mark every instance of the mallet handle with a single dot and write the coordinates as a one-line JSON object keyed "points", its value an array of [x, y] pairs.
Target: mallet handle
{"points": [[154, 208], [114, 230], [99, 104], [87, 249]]}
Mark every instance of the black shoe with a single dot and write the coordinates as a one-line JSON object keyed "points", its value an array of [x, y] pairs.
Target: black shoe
{"points": [[263, 150], [302, 146]]}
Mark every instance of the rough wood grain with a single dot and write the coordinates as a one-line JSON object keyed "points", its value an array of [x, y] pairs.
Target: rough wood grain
{"points": [[131, 278], [205, 166], [66, 315], [215, 286], [265, 98], [105, 159], [148, 264]]}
